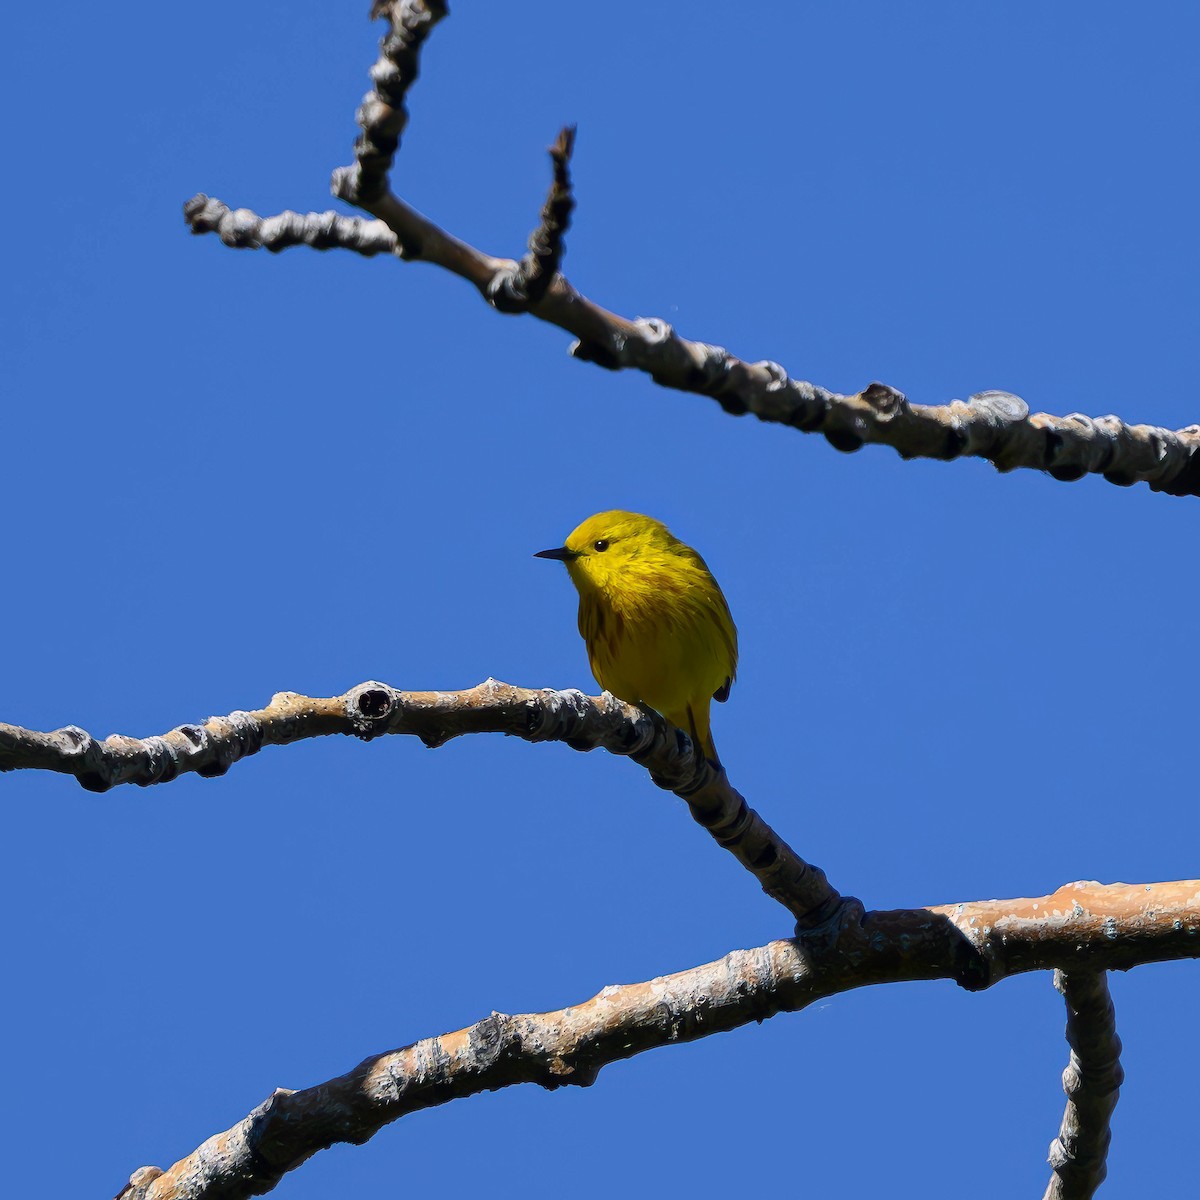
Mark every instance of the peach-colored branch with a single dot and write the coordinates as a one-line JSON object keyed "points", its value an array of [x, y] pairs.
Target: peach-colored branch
{"points": [[1083, 926], [373, 709], [1092, 1081]]}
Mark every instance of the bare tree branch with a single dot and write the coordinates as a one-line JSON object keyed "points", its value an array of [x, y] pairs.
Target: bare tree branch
{"points": [[383, 115], [519, 289], [1082, 925], [993, 425], [1092, 1082], [373, 709], [246, 230]]}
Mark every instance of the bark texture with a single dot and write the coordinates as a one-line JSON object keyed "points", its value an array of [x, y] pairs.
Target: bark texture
{"points": [[373, 709], [245, 230], [1092, 1081], [1082, 926]]}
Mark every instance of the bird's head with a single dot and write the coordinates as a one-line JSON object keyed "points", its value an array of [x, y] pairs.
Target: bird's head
{"points": [[613, 544]]}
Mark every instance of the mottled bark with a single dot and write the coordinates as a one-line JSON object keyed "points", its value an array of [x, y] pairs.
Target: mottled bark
{"points": [[373, 709], [1092, 1081], [1083, 926], [383, 114], [993, 425], [245, 230]]}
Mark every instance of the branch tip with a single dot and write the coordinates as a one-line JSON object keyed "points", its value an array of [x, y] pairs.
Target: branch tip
{"points": [[383, 114], [518, 287], [561, 149], [243, 229]]}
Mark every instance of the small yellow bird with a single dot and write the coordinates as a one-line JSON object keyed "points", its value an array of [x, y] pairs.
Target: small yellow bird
{"points": [[657, 627]]}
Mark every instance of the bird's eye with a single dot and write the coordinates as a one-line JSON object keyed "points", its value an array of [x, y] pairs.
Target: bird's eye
{"points": [[600, 544]]}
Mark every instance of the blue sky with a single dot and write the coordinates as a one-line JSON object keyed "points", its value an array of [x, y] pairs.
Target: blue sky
{"points": [[229, 474]]}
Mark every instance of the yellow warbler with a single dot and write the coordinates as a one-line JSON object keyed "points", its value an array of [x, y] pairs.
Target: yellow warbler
{"points": [[657, 627]]}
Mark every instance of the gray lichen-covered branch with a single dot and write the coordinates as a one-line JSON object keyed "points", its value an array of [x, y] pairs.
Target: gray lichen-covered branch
{"points": [[373, 709], [1092, 1081], [1085, 926], [246, 230], [992, 425], [383, 113]]}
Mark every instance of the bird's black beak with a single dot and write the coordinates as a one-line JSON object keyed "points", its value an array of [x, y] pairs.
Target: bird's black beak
{"points": [[562, 554]]}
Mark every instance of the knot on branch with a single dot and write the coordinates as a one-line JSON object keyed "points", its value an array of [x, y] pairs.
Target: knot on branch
{"points": [[494, 1041], [654, 330], [162, 762], [1062, 438], [242, 735], [886, 401], [370, 707], [78, 745], [203, 213], [999, 408], [996, 423], [673, 362], [239, 228], [608, 354], [773, 402], [884, 404]]}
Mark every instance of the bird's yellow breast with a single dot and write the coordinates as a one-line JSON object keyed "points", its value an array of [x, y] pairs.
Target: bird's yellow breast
{"points": [[660, 637]]}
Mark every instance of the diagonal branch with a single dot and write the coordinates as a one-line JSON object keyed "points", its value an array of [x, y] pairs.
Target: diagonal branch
{"points": [[517, 290], [1120, 925], [373, 709], [1092, 1082], [991, 425]]}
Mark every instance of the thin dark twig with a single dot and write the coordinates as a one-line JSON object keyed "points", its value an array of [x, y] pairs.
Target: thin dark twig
{"points": [[518, 289], [1092, 1081], [383, 113]]}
